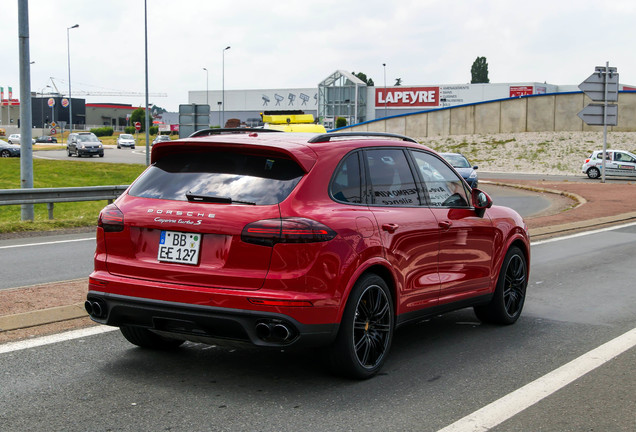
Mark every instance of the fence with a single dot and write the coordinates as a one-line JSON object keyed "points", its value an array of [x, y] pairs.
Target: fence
{"points": [[50, 196]]}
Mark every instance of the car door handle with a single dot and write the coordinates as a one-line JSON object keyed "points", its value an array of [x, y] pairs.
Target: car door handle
{"points": [[445, 224], [390, 227]]}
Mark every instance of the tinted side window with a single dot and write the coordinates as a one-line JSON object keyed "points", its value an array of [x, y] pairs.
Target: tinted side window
{"points": [[444, 187], [256, 179], [391, 179], [346, 185]]}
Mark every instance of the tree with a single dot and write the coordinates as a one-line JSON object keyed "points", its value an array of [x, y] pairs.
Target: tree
{"points": [[479, 71], [363, 77], [139, 115], [398, 82]]}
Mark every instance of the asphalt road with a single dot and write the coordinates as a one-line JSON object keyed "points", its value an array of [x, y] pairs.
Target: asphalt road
{"points": [[580, 297]]}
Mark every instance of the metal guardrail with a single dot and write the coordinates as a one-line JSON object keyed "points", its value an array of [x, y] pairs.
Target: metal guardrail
{"points": [[50, 196]]}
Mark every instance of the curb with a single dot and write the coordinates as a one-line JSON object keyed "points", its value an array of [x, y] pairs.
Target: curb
{"points": [[41, 317]]}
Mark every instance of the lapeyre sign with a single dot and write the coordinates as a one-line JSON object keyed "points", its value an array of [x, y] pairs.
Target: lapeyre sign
{"points": [[407, 97]]}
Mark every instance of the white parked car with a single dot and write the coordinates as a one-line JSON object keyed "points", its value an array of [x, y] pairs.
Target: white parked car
{"points": [[619, 163], [126, 140], [15, 139]]}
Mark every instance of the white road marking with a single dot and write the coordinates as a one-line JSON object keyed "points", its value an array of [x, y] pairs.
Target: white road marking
{"points": [[513, 403], [54, 338], [582, 234], [47, 243]]}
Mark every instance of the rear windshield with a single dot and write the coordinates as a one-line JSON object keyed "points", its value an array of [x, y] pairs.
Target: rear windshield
{"points": [[256, 179]]}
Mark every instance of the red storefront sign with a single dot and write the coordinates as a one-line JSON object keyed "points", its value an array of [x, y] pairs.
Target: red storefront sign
{"points": [[516, 91], [407, 97]]}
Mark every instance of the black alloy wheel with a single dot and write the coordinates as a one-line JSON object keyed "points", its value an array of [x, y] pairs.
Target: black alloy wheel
{"points": [[366, 330], [507, 302], [5, 153]]}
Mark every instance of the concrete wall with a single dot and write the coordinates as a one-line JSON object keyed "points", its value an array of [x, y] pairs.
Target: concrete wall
{"points": [[539, 113]]}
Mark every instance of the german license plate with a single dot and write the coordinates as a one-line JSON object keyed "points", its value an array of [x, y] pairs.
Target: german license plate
{"points": [[178, 247]]}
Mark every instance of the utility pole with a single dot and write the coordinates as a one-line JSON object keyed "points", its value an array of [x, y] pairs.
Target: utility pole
{"points": [[26, 120]]}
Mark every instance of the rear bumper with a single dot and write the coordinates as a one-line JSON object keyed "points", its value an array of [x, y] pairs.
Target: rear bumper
{"points": [[207, 324]]}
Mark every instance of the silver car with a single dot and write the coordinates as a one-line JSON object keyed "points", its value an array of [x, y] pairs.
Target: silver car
{"points": [[126, 140]]}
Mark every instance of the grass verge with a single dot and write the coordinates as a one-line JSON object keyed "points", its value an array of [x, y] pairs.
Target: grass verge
{"points": [[48, 173]]}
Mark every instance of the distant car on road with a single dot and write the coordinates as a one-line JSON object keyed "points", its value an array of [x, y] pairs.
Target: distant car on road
{"points": [[84, 144], [15, 139], [8, 149], [126, 140], [619, 163], [160, 138], [46, 139], [463, 167]]}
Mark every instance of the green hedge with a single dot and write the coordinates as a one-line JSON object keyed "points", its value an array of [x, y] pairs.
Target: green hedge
{"points": [[103, 131], [341, 122], [130, 130]]}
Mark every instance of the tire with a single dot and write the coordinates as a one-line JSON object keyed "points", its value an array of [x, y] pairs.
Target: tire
{"points": [[68, 152], [366, 330], [507, 302], [593, 173], [5, 153], [118, 147], [101, 155], [146, 339]]}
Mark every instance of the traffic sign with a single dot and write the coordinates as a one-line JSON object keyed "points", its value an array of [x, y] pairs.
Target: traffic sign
{"points": [[53, 131], [593, 114], [594, 85], [53, 124], [138, 126]]}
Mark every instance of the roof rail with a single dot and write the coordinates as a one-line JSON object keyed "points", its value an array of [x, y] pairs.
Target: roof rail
{"points": [[328, 136], [223, 131]]}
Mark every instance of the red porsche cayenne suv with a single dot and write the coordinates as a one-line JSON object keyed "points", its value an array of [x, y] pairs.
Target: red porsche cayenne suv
{"points": [[280, 239]]}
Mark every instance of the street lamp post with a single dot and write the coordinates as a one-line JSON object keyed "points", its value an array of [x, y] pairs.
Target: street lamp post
{"points": [[207, 76], [223, 85], [384, 66], [70, 98]]}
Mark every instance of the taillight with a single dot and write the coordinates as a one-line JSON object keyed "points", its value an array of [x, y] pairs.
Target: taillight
{"points": [[587, 160], [268, 232], [111, 219]]}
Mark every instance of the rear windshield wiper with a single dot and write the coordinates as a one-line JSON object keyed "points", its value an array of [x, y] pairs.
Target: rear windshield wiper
{"points": [[215, 199]]}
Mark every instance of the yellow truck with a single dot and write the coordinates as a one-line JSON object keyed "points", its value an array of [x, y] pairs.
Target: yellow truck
{"points": [[292, 123]]}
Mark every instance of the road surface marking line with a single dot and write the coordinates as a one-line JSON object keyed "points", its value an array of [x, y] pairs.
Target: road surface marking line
{"points": [[55, 338], [47, 243], [513, 403], [581, 234]]}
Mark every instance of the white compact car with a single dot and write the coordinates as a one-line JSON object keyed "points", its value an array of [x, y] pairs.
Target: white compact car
{"points": [[126, 140], [619, 163]]}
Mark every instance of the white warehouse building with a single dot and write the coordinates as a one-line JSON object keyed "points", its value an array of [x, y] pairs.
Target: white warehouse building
{"points": [[342, 94]]}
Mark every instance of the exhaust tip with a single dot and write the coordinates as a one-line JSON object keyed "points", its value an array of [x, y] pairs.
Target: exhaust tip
{"points": [[281, 332], [89, 307], [263, 331], [95, 308]]}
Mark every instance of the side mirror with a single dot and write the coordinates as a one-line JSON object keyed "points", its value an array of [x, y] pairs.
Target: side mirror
{"points": [[475, 167], [480, 201]]}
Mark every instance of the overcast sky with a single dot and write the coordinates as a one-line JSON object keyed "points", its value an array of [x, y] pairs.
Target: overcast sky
{"points": [[296, 44]]}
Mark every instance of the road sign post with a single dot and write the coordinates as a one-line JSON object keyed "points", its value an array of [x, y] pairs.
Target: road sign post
{"points": [[601, 86]]}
